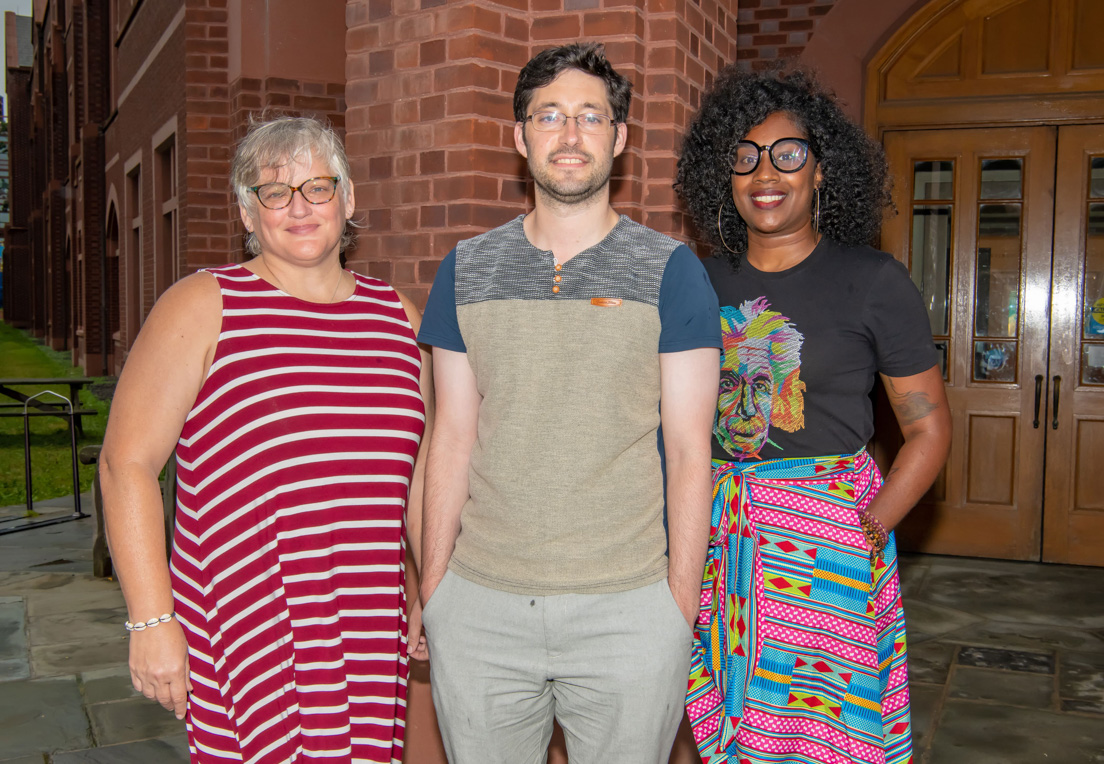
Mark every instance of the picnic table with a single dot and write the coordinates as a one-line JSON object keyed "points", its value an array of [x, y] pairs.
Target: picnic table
{"points": [[45, 407]]}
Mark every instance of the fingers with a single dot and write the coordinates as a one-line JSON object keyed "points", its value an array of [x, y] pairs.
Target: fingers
{"points": [[159, 667], [179, 697], [419, 651], [165, 693]]}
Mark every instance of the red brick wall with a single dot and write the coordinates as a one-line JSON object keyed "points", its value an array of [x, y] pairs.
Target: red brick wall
{"points": [[149, 93], [278, 95], [430, 122], [771, 30], [207, 215], [88, 78]]}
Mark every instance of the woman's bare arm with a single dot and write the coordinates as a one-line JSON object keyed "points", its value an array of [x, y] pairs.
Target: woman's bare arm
{"points": [[158, 386]]}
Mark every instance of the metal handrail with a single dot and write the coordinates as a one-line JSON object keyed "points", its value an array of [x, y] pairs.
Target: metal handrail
{"points": [[68, 413]]}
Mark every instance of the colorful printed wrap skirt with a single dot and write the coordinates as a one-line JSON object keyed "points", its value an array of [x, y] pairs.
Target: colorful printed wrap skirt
{"points": [[800, 650]]}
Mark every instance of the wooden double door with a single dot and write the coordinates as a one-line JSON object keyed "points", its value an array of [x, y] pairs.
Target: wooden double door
{"points": [[1003, 232]]}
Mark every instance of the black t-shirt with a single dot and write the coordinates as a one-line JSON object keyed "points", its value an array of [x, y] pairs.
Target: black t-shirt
{"points": [[802, 348]]}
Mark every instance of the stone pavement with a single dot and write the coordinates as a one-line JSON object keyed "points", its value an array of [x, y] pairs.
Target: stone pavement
{"points": [[65, 694], [1006, 659]]}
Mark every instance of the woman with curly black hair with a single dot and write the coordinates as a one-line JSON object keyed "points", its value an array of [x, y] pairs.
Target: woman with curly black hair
{"points": [[801, 640]]}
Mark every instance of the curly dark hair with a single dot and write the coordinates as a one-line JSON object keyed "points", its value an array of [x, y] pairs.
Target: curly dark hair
{"points": [[855, 176]]}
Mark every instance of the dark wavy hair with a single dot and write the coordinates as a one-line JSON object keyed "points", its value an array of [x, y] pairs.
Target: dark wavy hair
{"points": [[588, 58], [855, 177]]}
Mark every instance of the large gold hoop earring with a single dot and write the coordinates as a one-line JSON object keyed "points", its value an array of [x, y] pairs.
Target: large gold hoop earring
{"points": [[720, 231], [816, 213]]}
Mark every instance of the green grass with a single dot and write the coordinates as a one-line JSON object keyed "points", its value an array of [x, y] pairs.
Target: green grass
{"points": [[51, 463]]}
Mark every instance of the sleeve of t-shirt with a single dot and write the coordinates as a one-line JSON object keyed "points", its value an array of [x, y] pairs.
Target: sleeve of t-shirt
{"points": [[439, 325], [688, 313], [896, 318]]}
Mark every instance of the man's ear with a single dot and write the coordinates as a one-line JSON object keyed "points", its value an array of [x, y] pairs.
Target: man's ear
{"points": [[519, 139], [620, 138]]}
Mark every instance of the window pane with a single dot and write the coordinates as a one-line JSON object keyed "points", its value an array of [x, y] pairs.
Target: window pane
{"points": [[995, 361], [931, 261], [1096, 177], [1093, 320], [941, 349], [1001, 178], [1092, 364], [933, 180], [997, 301]]}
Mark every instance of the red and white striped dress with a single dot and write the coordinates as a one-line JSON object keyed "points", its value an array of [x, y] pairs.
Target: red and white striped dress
{"points": [[294, 469]]}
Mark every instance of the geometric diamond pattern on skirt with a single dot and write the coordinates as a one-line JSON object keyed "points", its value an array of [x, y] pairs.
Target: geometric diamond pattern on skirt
{"points": [[800, 647]]}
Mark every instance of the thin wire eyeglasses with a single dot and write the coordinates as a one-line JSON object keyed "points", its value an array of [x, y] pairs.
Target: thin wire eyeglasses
{"points": [[786, 154], [276, 196], [551, 121]]}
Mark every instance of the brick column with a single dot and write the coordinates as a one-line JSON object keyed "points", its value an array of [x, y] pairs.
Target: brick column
{"points": [[430, 121], [204, 144], [429, 129]]}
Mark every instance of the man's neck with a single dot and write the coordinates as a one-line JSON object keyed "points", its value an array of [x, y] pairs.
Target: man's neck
{"points": [[567, 230]]}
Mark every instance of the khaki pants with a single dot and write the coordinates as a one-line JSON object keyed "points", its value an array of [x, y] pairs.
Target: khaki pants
{"points": [[611, 668]]}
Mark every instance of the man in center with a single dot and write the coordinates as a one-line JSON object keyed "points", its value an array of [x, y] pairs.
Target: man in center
{"points": [[562, 340]]}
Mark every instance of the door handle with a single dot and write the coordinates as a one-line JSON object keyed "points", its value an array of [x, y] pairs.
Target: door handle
{"points": [[1057, 389], [1038, 398]]}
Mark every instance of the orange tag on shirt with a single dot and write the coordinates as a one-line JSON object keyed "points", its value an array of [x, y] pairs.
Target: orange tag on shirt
{"points": [[606, 302]]}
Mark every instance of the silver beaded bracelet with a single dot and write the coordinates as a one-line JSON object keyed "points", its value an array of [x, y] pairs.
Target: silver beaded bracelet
{"points": [[143, 625]]}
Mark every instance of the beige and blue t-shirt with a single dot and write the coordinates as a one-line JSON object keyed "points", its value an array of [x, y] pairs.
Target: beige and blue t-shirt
{"points": [[565, 480]]}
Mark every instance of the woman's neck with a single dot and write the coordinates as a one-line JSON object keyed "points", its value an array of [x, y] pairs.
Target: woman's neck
{"points": [[778, 252], [323, 283]]}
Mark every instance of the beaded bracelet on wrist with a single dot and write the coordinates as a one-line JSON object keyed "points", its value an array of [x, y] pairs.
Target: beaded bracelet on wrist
{"points": [[876, 535], [143, 625]]}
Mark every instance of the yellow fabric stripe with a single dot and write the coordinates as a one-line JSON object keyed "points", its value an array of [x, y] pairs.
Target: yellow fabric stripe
{"points": [[872, 705], [772, 676], [838, 579]]}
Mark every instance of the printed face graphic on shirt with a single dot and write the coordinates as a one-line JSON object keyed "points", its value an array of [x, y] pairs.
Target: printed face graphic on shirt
{"points": [[760, 379]]}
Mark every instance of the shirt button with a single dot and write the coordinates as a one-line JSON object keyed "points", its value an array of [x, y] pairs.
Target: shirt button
{"points": [[555, 290], [557, 278], [559, 266]]}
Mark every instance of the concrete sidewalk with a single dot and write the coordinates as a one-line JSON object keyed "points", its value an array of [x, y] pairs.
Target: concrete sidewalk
{"points": [[1006, 660]]}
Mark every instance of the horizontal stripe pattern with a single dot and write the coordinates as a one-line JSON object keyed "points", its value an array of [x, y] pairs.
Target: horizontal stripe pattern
{"points": [[801, 652], [294, 468]]}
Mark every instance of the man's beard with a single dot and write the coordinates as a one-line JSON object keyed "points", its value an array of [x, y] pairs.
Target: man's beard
{"points": [[573, 192]]}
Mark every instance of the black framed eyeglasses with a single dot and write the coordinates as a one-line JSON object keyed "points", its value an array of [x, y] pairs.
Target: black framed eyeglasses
{"points": [[276, 196], [786, 154], [549, 121]]}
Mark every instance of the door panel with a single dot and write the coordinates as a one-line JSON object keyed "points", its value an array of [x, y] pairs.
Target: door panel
{"points": [[974, 224], [1074, 498]]}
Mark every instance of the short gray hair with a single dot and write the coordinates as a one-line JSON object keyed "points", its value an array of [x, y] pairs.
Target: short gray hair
{"points": [[274, 143]]}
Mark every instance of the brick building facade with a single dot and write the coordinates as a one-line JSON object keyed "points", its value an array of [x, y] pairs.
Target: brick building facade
{"points": [[124, 114], [127, 115], [137, 104], [58, 102], [427, 86], [18, 269]]}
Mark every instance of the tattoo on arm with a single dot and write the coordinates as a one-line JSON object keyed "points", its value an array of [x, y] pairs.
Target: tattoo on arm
{"points": [[909, 406]]}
